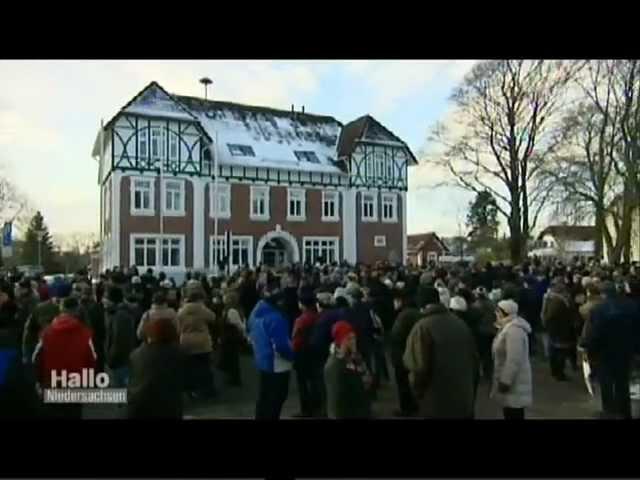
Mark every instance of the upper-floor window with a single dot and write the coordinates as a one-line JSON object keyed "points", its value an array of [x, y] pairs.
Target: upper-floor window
{"points": [[379, 162], [390, 167], [259, 203], [174, 197], [296, 204], [241, 150], [389, 207], [369, 167], [330, 202], [222, 203], [369, 204], [143, 143], [142, 195], [157, 142], [307, 156], [173, 146]]}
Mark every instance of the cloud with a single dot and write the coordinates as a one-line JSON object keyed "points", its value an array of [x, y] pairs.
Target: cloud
{"points": [[392, 81]]}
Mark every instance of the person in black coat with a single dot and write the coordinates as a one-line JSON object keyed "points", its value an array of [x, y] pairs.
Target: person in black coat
{"points": [[156, 373]]}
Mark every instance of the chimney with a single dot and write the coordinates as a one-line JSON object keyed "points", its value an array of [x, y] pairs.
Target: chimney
{"points": [[293, 110], [302, 108]]}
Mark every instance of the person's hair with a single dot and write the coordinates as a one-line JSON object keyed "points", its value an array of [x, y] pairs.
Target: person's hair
{"points": [[115, 294], [160, 297], [195, 295], [593, 289], [160, 330], [70, 304]]}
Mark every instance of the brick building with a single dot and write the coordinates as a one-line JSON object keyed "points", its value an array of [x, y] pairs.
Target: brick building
{"points": [[424, 248], [291, 186]]}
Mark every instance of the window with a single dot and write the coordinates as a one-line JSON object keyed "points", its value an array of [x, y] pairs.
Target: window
{"points": [[296, 204], [432, 257], [389, 163], [379, 241], [389, 207], [173, 146], [157, 143], [259, 203], [171, 252], [143, 143], [142, 193], [330, 202], [219, 250], [369, 206], [241, 251], [241, 150], [206, 161], [223, 203], [369, 167], [174, 197], [152, 251], [379, 158], [307, 156], [323, 250]]}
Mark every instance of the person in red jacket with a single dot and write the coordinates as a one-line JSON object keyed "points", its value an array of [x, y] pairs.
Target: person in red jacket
{"points": [[308, 388], [66, 346]]}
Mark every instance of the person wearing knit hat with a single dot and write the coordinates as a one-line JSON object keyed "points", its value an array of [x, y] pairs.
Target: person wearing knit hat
{"points": [[346, 376], [512, 379]]}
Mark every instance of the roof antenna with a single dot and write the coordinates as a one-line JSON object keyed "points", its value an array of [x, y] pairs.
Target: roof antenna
{"points": [[206, 81]]}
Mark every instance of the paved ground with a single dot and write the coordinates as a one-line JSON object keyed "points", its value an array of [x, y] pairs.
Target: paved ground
{"points": [[552, 400]]}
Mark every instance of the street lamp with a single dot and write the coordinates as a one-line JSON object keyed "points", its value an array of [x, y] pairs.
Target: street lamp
{"points": [[40, 234]]}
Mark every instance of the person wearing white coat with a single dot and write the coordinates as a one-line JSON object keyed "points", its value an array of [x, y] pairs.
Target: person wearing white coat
{"points": [[512, 382]]}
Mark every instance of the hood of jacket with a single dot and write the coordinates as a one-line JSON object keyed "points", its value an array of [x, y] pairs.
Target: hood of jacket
{"points": [[66, 322], [264, 308], [518, 322]]}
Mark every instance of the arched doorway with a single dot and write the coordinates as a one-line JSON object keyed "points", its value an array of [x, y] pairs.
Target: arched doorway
{"points": [[277, 249]]}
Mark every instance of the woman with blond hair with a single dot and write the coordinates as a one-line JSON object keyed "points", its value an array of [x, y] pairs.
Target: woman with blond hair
{"points": [[233, 337]]}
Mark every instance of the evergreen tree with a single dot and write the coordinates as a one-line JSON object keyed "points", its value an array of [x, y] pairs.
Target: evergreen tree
{"points": [[30, 248], [482, 218]]}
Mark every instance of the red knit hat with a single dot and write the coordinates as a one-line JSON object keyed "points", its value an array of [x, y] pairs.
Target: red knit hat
{"points": [[340, 331]]}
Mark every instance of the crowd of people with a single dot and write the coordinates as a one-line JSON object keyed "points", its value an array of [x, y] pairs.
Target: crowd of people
{"points": [[340, 329]]}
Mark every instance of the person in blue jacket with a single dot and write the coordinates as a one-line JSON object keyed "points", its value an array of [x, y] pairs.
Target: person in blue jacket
{"points": [[273, 352]]}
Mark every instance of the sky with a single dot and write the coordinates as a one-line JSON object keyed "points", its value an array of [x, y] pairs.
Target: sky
{"points": [[50, 112]]}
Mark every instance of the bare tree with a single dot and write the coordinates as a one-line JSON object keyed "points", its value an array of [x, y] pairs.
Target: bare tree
{"points": [[14, 205], [598, 165], [508, 108]]}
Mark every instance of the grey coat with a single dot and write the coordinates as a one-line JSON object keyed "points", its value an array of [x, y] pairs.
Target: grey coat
{"points": [[511, 364]]}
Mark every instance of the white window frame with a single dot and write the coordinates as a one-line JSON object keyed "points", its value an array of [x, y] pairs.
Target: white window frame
{"points": [[223, 242], [143, 139], [374, 217], [336, 205], [255, 190], [393, 197], [302, 198], [174, 140], [151, 211], [162, 145], [432, 256], [336, 246], [380, 241], [173, 212], [159, 247], [224, 189], [379, 164]]}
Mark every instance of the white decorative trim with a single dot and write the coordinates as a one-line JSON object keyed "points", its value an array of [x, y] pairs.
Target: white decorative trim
{"points": [[303, 205], [405, 253], [374, 218], [221, 186], [254, 190], [173, 213], [159, 238], [143, 212], [114, 236], [335, 240], [380, 241], [278, 234], [336, 208], [198, 222], [349, 226], [394, 197]]}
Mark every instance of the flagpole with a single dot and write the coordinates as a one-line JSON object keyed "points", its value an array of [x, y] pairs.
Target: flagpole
{"points": [[217, 207]]}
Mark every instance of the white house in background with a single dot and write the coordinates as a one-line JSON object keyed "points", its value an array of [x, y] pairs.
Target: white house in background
{"points": [[565, 242]]}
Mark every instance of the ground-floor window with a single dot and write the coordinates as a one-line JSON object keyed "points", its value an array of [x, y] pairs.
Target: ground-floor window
{"points": [[150, 251], [240, 252], [320, 250]]}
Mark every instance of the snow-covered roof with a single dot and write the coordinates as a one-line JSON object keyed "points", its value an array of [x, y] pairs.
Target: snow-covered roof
{"points": [[267, 137]]}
